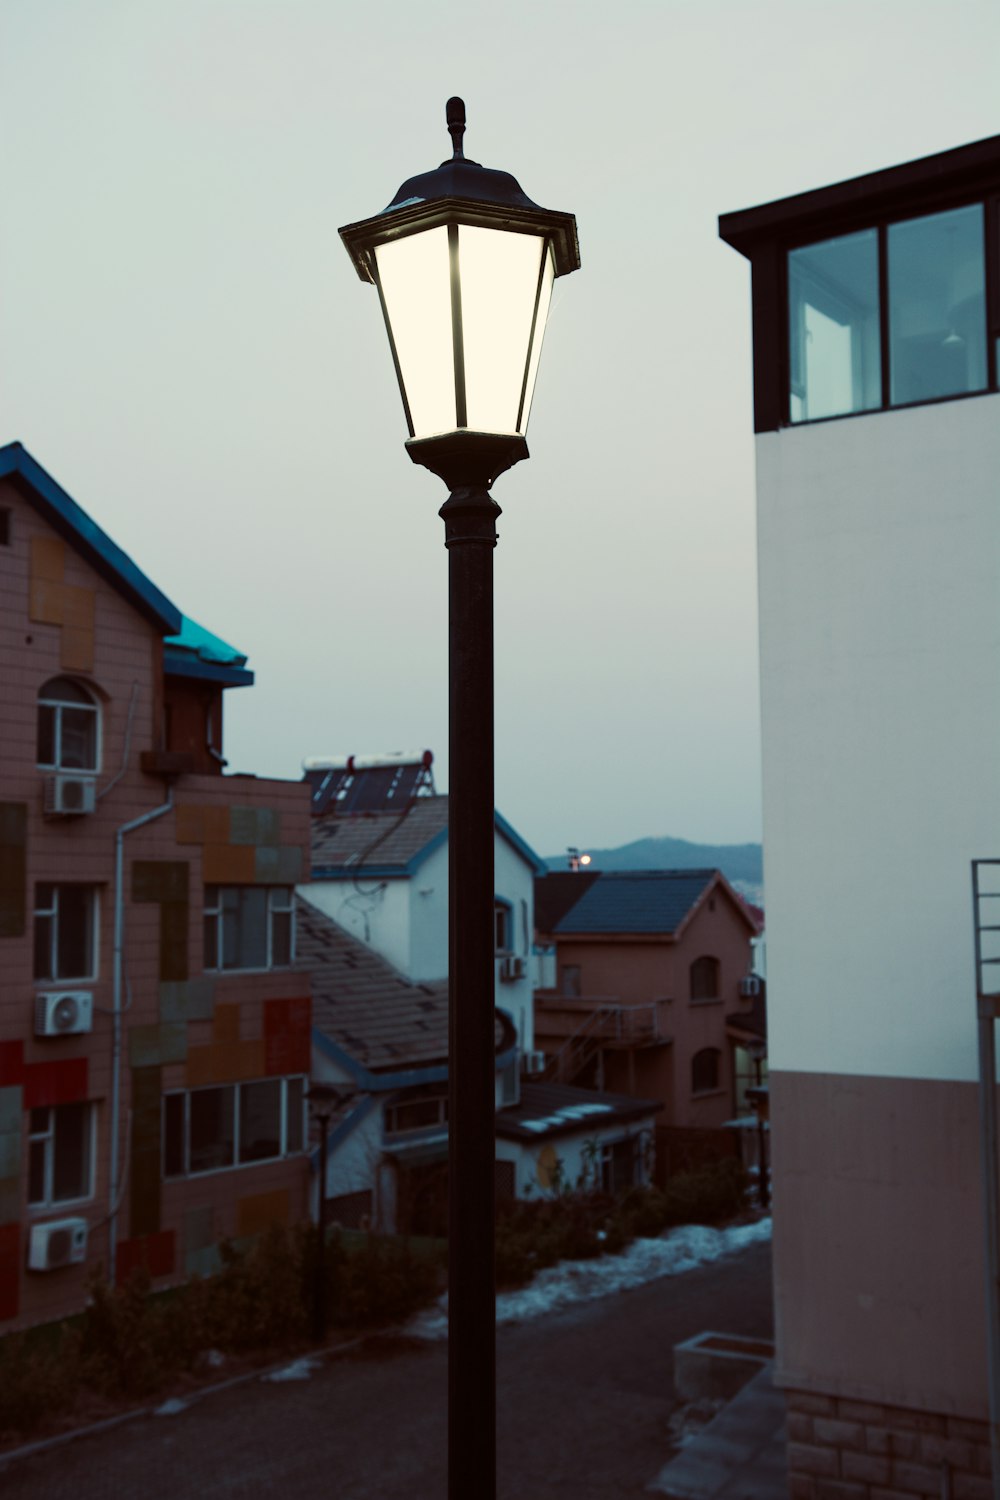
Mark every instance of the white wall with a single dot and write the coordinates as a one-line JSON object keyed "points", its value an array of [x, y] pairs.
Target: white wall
{"points": [[879, 554], [571, 1150], [378, 914], [427, 894], [514, 882]]}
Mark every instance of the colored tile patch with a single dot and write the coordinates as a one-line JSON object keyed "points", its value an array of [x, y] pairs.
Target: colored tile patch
{"points": [[287, 1036], [229, 864], [10, 1198], [155, 1253], [254, 825], [11, 1064], [226, 1023], [155, 1046], [224, 1062], [62, 1082], [278, 866], [258, 1211], [160, 880], [187, 1000], [11, 1108], [10, 1268]]}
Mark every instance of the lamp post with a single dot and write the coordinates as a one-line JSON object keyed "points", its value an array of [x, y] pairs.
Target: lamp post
{"points": [[463, 262], [323, 1099]]}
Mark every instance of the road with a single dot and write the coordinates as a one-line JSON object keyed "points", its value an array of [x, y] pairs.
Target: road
{"points": [[583, 1401]]}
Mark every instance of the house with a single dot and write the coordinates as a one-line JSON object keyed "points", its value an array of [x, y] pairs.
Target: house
{"points": [[876, 309], [380, 870], [649, 965], [154, 1028], [374, 931]]}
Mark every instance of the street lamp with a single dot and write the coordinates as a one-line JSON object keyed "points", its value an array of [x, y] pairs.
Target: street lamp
{"points": [[463, 262], [324, 1100]]}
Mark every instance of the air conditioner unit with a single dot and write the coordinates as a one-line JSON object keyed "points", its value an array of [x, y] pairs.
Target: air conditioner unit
{"points": [[63, 1013], [750, 986], [70, 796], [62, 1242], [533, 1062], [511, 967]]}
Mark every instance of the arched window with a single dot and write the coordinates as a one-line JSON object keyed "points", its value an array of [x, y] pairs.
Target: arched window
{"points": [[705, 1071], [704, 978], [68, 726]]}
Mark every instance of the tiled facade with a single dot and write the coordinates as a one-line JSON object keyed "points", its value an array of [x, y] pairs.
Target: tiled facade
{"points": [[74, 610]]}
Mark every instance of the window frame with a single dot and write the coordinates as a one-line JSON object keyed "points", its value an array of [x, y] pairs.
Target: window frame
{"points": [[503, 910], [215, 913], [433, 1095], [48, 1202], [52, 913], [235, 1165], [699, 964], [776, 364], [55, 766]]}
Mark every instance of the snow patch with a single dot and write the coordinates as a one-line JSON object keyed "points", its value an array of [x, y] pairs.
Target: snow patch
{"points": [[299, 1369], [671, 1254], [171, 1408]]}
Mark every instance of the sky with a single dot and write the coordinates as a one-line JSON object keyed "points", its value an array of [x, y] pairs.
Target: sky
{"points": [[185, 346]]}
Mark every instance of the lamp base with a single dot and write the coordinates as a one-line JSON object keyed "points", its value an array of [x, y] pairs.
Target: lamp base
{"points": [[464, 459]]}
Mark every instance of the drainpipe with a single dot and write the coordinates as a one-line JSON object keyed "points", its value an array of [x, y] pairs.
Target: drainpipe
{"points": [[116, 1016]]}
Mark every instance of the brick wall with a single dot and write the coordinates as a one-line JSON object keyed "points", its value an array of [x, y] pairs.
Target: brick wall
{"points": [[840, 1449]]}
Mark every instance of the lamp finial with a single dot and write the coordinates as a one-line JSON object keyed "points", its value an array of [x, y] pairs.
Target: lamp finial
{"points": [[455, 115]]}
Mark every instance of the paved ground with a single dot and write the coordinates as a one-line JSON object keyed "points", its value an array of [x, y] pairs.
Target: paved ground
{"points": [[583, 1402]]}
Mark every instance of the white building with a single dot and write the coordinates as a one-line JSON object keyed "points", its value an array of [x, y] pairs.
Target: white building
{"points": [[876, 310]]}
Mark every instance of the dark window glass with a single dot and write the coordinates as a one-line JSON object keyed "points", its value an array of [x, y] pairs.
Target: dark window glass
{"points": [[4, 528], [281, 938], [173, 1135], [833, 326], [260, 1120], [295, 1114], [43, 946], [937, 306], [75, 931], [212, 1144], [569, 981], [501, 927], [78, 750], [705, 1070], [46, 735], [71, 1152], [36, 1171], [704, 975], [244, 930]]}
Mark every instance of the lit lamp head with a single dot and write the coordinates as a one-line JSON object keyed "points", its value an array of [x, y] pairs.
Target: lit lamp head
{"points": [[464, 262]]}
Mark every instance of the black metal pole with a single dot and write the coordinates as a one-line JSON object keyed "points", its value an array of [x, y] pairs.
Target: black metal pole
{"points": [[319, 1327], [470, 516]]}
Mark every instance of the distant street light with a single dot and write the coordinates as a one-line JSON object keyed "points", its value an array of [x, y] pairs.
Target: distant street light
{"points": [[464, 264], [324, 1101]]}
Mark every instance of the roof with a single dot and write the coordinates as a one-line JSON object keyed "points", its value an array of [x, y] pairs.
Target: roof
{"points": [[556, 892], [371, 1012], [647, 902], [393, 842], [548, 1109], [196, 652], [924, 183], [751, 1022], [72, 523]]}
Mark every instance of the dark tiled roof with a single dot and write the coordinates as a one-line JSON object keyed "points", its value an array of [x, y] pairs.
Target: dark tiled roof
{"points": [[383, 840], [548, 1109], [365, 1005], [378, 1016], [556, 892], [630, 901]]}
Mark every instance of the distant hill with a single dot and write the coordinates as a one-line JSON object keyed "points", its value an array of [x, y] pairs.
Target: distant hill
{"points": [[742, 864]]}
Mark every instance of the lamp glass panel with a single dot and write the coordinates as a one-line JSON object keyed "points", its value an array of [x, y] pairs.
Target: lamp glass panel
{"points": [[548, 276], [499, 275], [416, 285]]}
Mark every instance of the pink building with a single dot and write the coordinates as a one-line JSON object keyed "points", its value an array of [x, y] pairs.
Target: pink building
{"points": [[154, 1027], [649, 977]]}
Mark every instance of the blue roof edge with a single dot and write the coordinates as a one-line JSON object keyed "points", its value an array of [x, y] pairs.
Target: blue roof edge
{"points": [[73, 523], [517, 843], [346, 871], [180, 663]]}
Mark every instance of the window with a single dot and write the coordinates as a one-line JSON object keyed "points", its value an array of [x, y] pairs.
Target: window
{"points": [[510, 1084], [704, 978], [423, 1109], [503, 926], [937, 306], [68, 727], [249, 927], [852, 349], [570, 983], [60, 1155], [65, 931], [705, 1071], [833, 314], [209, 1130]]}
